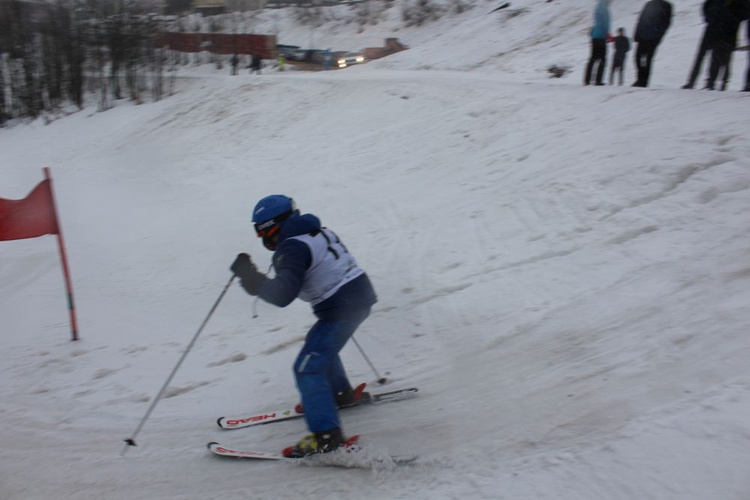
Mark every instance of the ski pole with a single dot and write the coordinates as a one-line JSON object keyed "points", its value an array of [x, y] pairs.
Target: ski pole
{"points": [[381, 380], [131, 440]]}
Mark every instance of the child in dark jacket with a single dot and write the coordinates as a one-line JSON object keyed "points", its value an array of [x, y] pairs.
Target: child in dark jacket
{"points": [[622, 47]]}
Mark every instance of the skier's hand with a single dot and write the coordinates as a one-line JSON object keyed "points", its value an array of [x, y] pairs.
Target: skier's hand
{"points": [[250, 278], [241, 263]]}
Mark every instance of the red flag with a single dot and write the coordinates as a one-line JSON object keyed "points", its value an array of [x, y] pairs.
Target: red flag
{"points": [[30, 217]]}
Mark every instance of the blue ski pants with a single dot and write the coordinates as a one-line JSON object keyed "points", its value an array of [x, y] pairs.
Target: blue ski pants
{"points": [[319, 371]]}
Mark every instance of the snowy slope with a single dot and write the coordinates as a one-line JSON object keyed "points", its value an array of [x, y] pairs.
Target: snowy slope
{"points": [[562, 271]]}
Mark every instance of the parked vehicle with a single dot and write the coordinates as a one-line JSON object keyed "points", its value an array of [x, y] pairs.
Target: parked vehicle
{"points": [[299, 55], [288, 51], [350, 58]]}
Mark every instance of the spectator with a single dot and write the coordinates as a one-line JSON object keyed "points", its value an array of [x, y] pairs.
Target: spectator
{"points": [[728, 18], [653, 23], [710, 8], [622, 47], [234, 61], [599, 35], [255, 64]]}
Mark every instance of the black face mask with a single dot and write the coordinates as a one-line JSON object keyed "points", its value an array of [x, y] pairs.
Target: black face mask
{"points": [[270, 236], [270, 229], [271, 241]]}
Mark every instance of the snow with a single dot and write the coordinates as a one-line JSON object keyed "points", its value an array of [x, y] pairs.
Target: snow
{"points": [[562, 270]]}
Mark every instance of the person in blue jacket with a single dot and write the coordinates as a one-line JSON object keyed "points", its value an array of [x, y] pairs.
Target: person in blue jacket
{"points": [[311, 263], [599, 36]]}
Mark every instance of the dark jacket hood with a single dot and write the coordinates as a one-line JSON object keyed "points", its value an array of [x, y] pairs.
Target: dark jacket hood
{"points": [[296, 226]]}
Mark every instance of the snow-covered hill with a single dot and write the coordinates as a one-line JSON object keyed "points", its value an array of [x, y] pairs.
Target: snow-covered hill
{"points": [[562, 270]]}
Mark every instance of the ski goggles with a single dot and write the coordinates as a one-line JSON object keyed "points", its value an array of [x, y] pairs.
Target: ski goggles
{"points": [[270, 227]]}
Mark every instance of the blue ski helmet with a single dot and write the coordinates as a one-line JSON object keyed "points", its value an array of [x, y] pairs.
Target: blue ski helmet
{"points": [[268, 215]]}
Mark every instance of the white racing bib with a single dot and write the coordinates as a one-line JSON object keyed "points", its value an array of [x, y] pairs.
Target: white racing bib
{"points": [[332, 266]]}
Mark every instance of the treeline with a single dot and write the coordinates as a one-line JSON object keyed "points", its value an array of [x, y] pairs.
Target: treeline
{"points": [[54, 55]]}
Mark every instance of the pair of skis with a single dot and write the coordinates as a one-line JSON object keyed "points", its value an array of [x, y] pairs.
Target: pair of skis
{"points": [[350, 455]]}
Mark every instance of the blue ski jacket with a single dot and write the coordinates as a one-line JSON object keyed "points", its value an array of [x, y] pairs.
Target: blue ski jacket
{"points": [[601, 21], [291, 261]]}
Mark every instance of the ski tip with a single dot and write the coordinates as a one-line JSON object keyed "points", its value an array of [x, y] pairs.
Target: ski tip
{"points": [[219, 422], [351, 441]]}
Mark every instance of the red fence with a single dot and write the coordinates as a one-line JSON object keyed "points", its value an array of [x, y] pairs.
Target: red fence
{"points": [[219, 43]]}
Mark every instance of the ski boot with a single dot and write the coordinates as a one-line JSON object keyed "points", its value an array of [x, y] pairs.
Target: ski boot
{"points": [[317, 442], [349, 397]]}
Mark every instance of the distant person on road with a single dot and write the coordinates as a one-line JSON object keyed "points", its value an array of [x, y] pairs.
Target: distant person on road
{"points": [[255, 64], [599, 36], [327, 59], [622, 47], [281, 61], [234, 62], [653, 23]]}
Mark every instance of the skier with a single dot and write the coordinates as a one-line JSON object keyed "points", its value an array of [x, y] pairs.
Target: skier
{"points": [[313, 264]]}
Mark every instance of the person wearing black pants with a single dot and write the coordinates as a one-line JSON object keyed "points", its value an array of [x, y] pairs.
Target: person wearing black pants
{"points": [[598, 56], [622, 47], [747, 76], [710, 9], [729, 17], [653, 23], [644, 55], [599, 35]]}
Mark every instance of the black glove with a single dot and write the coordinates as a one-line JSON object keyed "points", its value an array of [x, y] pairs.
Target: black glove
{"points": [[250, 279]]}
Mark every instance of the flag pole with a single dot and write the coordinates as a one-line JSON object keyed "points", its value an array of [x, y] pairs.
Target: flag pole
{"points": [[64, 259]]}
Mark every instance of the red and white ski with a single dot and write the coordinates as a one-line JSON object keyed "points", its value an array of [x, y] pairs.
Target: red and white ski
{"points": [[351, 455], [287, 414], [221, 450]]}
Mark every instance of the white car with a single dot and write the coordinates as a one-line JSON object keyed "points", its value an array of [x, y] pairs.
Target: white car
{"points": [[350, 58]]}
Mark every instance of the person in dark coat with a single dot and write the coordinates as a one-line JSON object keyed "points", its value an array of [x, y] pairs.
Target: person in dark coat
{"points": [[599, 35], [622, 47], [255, 64], [653, 23], [724, 36], [710, 8], [747, 76]]}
